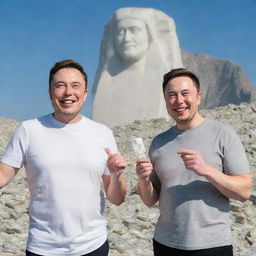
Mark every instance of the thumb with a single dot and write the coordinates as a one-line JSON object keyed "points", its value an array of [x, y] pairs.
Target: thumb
{"points": [[108, 151]]}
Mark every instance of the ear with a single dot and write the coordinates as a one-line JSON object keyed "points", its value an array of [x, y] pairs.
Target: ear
{"points": [[199, 98], [85, 94], [50, 92]]}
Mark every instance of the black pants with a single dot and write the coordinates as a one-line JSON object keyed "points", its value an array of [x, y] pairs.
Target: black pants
{"points": [[101, 251], [162, 250]]}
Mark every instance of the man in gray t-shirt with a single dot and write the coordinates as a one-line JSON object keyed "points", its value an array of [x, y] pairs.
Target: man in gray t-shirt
{"points": [[194, 168]]}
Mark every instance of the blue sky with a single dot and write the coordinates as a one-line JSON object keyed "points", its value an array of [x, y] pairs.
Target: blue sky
{"points": [[34, 34]]}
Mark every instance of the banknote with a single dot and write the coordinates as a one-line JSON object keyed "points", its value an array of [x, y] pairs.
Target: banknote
{"points": [[139, 147]]}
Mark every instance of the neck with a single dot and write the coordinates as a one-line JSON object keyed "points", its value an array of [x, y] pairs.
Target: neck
{"points": [[67, 119], [192, 123], [138, 66]]}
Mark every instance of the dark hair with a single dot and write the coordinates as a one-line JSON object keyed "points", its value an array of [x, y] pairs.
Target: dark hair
{"points": [[181, 72], [66, 64]]}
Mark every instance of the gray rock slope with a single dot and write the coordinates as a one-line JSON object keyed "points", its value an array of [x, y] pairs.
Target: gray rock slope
{"points": [[222, 81], [131, 225]]}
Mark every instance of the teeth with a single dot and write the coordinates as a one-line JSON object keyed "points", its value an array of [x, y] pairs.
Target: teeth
{"points": [[67, 101], [180, 109]]}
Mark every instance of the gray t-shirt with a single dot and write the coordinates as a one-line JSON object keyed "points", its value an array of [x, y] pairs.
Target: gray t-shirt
{"points": [[193, 213]]}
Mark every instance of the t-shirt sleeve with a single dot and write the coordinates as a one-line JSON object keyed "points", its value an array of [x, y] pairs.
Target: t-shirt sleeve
{"points": [[234, 157], [15, 153]]}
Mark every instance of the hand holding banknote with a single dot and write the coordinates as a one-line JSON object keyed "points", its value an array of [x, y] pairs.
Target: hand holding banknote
{"points": [[143, 166]]}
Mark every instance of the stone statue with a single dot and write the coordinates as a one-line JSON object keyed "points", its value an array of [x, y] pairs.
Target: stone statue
{"points": [[138, 47]]}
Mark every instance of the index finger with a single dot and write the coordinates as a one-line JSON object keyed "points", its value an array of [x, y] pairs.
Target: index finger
{"points": [[143, 160], [184, 152]]}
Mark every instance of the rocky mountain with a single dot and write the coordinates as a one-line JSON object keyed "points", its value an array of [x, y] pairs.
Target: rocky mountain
{"points": [[7, 127], [131, 225], [222, 82]]}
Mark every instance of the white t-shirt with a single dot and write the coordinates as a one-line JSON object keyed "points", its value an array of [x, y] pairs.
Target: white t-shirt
{"points": [[64, 165]]}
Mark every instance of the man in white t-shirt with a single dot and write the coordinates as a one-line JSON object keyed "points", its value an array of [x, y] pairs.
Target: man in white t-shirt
{"points": [[66, 156]]}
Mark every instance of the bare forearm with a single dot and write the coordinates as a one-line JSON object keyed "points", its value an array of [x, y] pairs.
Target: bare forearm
{"points": [[3, 180], [6, 174], [117, 189], [147, 192], [238, 187]]}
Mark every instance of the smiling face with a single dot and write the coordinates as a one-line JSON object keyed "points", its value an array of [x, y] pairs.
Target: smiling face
{"points": [[131, 39], [68, 93], [182, 102]]}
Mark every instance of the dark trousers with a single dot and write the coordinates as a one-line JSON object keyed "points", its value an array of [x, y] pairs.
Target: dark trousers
{"points": [[101, 251], [162, 250]]}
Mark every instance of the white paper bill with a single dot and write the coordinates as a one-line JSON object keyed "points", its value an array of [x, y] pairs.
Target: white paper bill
{"points": [[139, 147]]}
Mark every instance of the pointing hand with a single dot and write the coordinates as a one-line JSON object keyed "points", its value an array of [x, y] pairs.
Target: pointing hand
{"points": [[194, 161], [116, 162]]}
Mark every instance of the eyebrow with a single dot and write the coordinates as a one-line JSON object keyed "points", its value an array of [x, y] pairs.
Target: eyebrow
{"points": [[184, 90], [74, 82]]}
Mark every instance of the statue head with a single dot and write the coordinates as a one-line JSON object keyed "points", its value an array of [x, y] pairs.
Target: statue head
{"points": [[131, 39], [138, 46], [133, 34]]}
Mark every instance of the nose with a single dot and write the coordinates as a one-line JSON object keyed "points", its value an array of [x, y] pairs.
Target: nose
{"points": [[180, 99], [68, 90], [127, 35]]}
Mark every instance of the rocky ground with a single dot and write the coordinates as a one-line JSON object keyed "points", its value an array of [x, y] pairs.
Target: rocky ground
{"points": [[131, 225]]}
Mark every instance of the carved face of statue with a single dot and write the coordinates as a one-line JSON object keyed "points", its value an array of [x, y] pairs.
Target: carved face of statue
{"points": [[131, 39]]}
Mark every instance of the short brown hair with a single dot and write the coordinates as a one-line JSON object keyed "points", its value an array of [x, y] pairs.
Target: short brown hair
{"points": [[66, 64], [181, 72]]}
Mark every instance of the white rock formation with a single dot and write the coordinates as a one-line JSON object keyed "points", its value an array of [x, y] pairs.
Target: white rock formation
{"points": [[138, 47]]}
